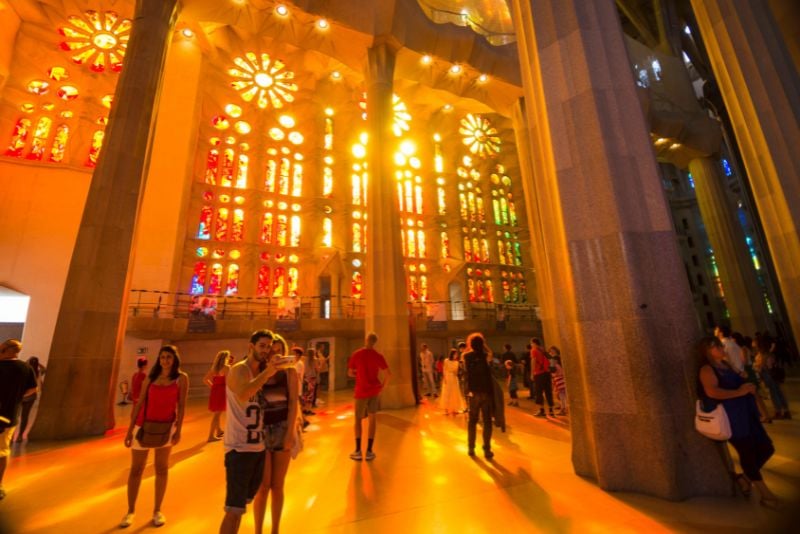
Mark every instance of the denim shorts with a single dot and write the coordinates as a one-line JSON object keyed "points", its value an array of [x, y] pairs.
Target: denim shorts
{"points": [[275, 436], [243, 474]]}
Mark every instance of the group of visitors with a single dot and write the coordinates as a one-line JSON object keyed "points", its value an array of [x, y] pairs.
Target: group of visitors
{"points": [[732, 370], [542, 373]]}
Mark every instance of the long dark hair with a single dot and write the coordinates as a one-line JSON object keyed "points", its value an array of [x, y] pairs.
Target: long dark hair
{"points": [[155, 371], [33, 361]]}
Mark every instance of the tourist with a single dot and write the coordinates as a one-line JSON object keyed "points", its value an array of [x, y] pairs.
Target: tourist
{"points": [[479, 393], [29, 400], [540, 376], [371, 372], [559, 383], [309, 377], [511, 382], [164, 399], [323, 368], [244, 436], [280, 401], [733, 353], [426, 361], [720, 382], [452, 401], [765, 363], [16, 382], [215, 379], [138, 379]]}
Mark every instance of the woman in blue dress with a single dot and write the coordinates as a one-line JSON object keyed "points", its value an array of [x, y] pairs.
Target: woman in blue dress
{"points": [[721, 383]]}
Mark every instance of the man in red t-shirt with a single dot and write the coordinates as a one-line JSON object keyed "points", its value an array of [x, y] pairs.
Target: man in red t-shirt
{"points": [[371, 372], [540, 374], [138, 379]]}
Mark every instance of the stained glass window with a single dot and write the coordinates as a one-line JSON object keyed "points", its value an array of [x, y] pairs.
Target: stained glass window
{"points": [[226, 168], [215, 280], [356, 285], [294, 237], [358, 238], [96, 38], [421, 248], [297, 180], [263, 79], [241, 171], [59, 144], [237, 228], [292, 281], [40, 135], [263, 288], [327, 181], [445, 240], [266, 228], [212, 166], [280, 280], [462, 201], [232, 287], [467, 249], [204, 228], [327, 232], [19, 139], [281, 230], [198, 278], [328, 139], [221, 230], [283, 176], [269, 178]]}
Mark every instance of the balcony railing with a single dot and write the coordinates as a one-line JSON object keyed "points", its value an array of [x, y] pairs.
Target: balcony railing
{"points": [[164, 304]]}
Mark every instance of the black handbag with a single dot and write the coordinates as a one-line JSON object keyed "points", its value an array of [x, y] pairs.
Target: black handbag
{"points": [[153, 434]]}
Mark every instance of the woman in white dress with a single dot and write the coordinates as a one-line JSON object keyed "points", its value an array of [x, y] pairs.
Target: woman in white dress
{"points": [[451, 400]]}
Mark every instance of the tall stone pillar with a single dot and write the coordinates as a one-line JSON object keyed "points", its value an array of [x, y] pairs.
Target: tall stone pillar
{"points": [[625, 315], [386, 293], [538, 224], [761, 89], [742, 293], [84, 358]]}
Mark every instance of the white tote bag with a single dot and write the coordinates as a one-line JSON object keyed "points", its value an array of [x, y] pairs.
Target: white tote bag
{"points": [[713, 424]]}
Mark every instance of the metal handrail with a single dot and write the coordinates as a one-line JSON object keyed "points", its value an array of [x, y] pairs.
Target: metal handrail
{"points": [[179, 305]]}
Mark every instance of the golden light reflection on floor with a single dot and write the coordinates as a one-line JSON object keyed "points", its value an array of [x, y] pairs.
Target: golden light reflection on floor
{"points": [[421, 481]]}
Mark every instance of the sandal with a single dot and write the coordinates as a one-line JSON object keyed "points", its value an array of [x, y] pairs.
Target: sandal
{"points": [[746, 488]]}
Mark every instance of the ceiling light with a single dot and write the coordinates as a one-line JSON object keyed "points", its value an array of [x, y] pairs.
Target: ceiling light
{"points": [[336, 75], [456, 69], [483, 78], [323, 24], [187, 33], [281, 10], [426, 59], [447, 107]]}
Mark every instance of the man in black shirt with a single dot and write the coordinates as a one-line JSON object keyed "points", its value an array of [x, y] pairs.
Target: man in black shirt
{"points": [[479, 391], [17, 380]]}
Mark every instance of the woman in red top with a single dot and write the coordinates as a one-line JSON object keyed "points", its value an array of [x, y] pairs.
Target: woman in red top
{"points": [[215, 379], [164, 394]]}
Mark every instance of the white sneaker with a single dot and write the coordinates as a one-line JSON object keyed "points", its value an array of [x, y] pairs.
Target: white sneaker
{"points": [[370, 456], [159, 519], [356, 455], [126, 521]]}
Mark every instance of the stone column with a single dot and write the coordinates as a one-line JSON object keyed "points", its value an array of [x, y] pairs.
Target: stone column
{"points": [[546, 298], [743, 295], [761, 89], [385, 283], [84, 358], [625, 315]]}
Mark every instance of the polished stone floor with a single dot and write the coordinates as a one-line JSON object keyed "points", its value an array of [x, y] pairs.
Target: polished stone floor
{"points": [[421, 482]]}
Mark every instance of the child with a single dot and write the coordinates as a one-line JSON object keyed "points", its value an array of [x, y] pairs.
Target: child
{"points": [[559, 385], [511, 378]]}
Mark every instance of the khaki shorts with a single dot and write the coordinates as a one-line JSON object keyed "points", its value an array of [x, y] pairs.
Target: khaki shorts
{"points": [[367, 406], [5, 441]]}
